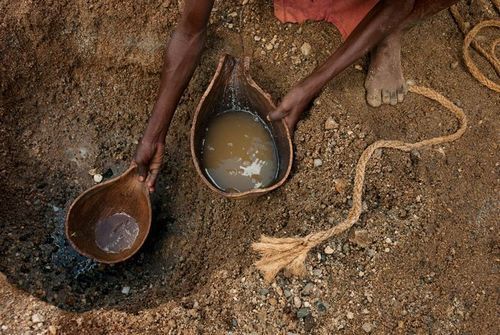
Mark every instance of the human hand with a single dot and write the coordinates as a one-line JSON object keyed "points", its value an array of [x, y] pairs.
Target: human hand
{"points": [[292, 106], [148, 158]]}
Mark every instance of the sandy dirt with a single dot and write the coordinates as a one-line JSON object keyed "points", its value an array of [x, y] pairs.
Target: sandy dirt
{"points": [[77, 82]]}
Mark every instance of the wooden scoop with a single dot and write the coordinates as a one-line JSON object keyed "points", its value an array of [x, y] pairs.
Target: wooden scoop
{"points": [[232, 81], [124, 194]]}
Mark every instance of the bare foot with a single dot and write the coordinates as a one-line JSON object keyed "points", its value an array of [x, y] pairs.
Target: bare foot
{"points": [[384, 82]]}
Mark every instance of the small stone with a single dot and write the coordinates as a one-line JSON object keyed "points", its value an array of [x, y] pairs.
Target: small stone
{"points": [[387, 250], [269, 46], [410, 82], [287, 293], [296, 60], [233, 14], [350, 315], [340, 185], [329, 250], [372, 252], [307, 304], [273, 301], [37, 318], [244, 2], [264, 291], [52, 330], [330, 124], [320, 306], [305, 49], [367, 327], [454, 65], [303, 312], [296, 302], [4, 327], [257, 38], [97, 178], [307, 289], [360, 238], [358, 67], [126, 290], [318, 162], [92, 172]]}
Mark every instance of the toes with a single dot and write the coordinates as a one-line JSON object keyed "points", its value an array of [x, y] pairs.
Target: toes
{"points": [[401, 93], [386, 96], [405, 88], [394, 98], [374, 98]]}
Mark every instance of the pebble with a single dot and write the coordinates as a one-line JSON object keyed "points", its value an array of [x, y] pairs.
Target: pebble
{"points": [[367, 327], [358, 67], [52, 330], [340, 185], [318, 162], [126, 290], [329, 250], [37, 318], [360, 238], [257, 38], [263, 291], [350, 315], [303, 312], [4, 327], [305, 49], [330, 124], [454, 65], [244, 2], [269, 46], [296, 302], [287, 293], [97, 178], [307, 290], [320, 306]]}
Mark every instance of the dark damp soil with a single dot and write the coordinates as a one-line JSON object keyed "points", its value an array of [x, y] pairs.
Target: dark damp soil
{"points": [[77, 82]]}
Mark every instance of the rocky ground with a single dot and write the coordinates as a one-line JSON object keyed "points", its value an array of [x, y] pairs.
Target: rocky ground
{"points": [[77, 81]]}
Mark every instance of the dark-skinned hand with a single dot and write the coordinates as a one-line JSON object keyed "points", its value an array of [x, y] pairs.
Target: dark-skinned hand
{"points": [[149, 158]]}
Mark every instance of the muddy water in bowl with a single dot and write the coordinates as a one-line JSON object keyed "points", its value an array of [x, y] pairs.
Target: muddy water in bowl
{"points": [[116, 233], [239, 153], [233, 92], [110, 221]]}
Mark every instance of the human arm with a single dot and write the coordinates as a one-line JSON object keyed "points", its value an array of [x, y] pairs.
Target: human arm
{"points": [[386, 17], [181, 58]]}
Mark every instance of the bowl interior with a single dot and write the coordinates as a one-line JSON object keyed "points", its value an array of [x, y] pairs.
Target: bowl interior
{"points": [[230, 89], [120, 195]]}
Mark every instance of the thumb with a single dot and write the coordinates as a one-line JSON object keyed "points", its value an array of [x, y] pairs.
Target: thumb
{"points": [[142, 171], [279, 113]]}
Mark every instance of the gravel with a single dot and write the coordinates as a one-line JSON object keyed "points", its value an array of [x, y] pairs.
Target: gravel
{"points": [[367, 327], [303, 312]]}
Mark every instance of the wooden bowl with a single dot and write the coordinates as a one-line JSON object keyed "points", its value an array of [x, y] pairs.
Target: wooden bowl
{"points": [[232, 81], [122, 194]]}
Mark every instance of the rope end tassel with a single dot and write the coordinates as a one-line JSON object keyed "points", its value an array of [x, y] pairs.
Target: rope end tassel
{"points": [[290, 253]]}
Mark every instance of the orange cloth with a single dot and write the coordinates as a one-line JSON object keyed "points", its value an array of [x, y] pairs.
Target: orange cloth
{"points": [[344, 14]]}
